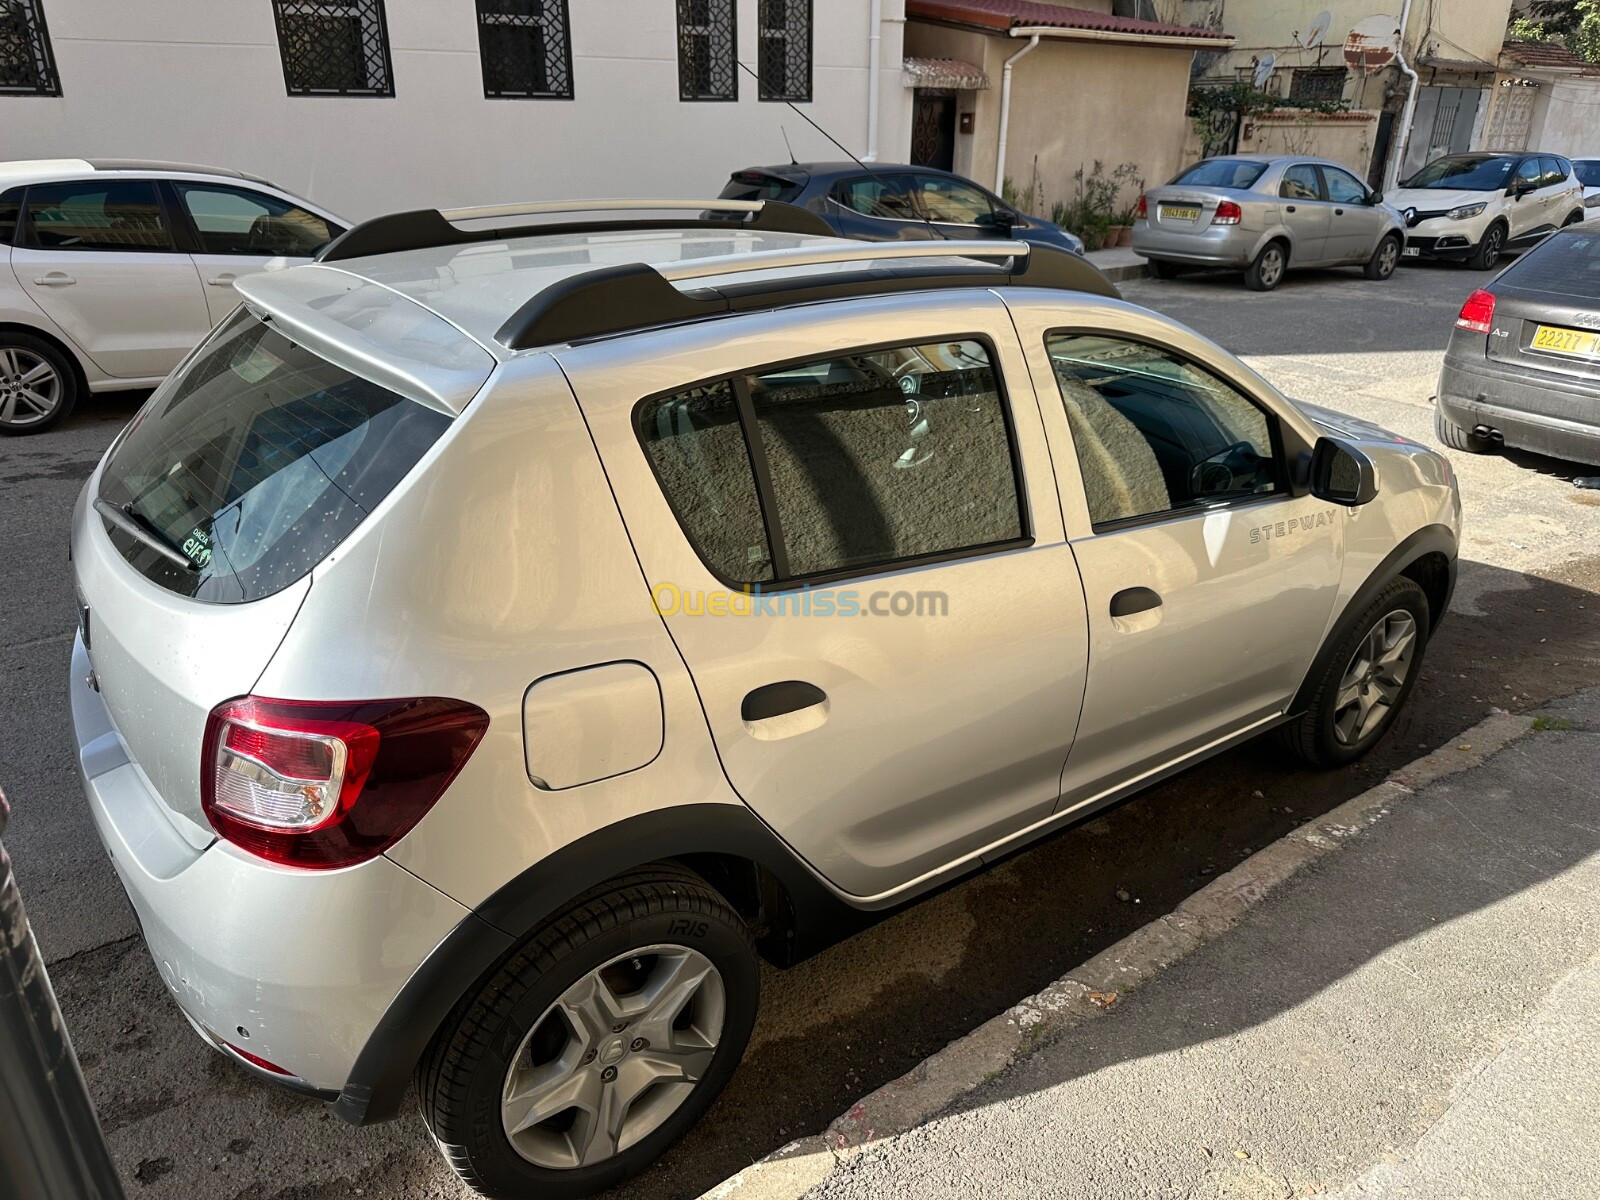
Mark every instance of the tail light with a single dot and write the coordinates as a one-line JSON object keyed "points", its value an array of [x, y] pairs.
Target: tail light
{"points": [[1142, 212], [1477, 314], [320, 785], [1228, 213]]}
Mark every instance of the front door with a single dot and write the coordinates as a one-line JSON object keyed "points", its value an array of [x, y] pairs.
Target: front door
{"points": [[901, 691], [1356, 223], [933, 129], [1209, 584]]}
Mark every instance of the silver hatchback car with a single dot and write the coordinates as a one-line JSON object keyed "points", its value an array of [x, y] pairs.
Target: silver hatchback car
{"points": [[1264, 216], [494, 641]]}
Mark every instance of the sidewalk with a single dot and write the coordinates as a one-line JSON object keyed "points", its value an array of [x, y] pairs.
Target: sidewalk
{"points": [[1413, 1012], [1119, 264]]}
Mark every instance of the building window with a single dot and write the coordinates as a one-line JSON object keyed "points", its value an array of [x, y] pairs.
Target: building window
{"points": [[334, 47], [706, 66], [785, 55], [1317, 83], [27, 67], [526, 47]]}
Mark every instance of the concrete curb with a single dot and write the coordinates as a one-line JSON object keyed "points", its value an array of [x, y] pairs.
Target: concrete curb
{"points": [[1120, 274], [1089, 990]]}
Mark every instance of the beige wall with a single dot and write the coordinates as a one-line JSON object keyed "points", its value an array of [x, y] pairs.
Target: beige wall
{"points": [[1564, 120], [1344, 140]]}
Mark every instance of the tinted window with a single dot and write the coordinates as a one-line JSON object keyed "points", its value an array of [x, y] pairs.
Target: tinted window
{"points": [[1529, 171], [1223, 173], [951, 200], [1153, 432], [121, 215], [256, 461], [1343, 187], [1567, 264], [752, 185], [1588, 172], [10, 209], [239, 221], [1465, 172], [887, 455], [1552, 174], [877, 196], [697, 447], [1300, 183]]}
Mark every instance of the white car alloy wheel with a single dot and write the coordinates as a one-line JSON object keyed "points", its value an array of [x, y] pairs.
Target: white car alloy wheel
{"points": [[31, 388]]}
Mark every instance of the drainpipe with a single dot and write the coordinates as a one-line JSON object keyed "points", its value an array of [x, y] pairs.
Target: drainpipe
{"points": [[1005, 110], [874, 79], [1397, 156]]}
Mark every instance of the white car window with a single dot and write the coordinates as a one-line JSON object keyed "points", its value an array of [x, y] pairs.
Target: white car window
{"points": [[233, 220], [110, 215]]}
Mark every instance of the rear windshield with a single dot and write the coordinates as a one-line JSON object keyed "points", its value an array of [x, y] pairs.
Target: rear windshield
{"points": [[1235, 173], [754, 185], [1588, 172], [1567, 264], [1466, 173], [255, 463]]}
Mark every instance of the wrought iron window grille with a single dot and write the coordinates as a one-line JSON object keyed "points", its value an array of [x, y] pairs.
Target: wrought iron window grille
{"points": [[334, 47], [707, 43], [526, 47], [783, 59], [27, 63]]}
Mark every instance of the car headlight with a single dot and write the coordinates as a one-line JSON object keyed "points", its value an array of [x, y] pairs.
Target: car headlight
{"points": [[1466, 211]]}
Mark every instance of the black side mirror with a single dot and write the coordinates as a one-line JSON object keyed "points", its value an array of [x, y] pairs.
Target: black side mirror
{"points": [[1001, 220], [1375, 199], [1341, 474], [1522, 187]]}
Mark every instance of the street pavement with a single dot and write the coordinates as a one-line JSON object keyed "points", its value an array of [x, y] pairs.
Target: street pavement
{"points": [[1416, 1015], [184, 1123]]}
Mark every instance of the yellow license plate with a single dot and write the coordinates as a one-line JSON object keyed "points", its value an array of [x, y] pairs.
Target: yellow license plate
{"points": [[1554, 340], [1172, 212]]}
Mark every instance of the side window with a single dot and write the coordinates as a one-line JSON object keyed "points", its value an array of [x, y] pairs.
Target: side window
{"points": [[1300, 183], [119, 215], [1529, 171], [240, 221], [10, 210], [1553, 175], [1344, 188], [951, 200], [887, 455], [877, 196], [1154, 433]]}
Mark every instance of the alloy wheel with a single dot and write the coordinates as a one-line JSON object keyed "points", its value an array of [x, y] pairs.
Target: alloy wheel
{"points": [[1376, 675], [1388, 256], [1271, 266], [614, 1057], [30, 387]]}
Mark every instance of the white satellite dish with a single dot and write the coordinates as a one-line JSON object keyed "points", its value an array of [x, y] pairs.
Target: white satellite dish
{"points": [[1318, 30], [1264, 68]]}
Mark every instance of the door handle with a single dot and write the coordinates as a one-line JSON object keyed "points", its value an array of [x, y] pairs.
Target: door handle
{"points": [[775, 699], [1288, 208], [1134, 600], [1338, 212], [224, 280], [55, 279]]}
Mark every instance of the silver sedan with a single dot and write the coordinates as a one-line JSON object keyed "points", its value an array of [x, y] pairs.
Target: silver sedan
{"points": [[1263, 215]]}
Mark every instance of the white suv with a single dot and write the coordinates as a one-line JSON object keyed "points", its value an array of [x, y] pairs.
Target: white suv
{"points": [[1471, 207], [112, 271], [494, 639]]}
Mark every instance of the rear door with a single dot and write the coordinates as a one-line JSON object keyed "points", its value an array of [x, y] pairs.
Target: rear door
{"points": [[99, 256], [902, 686], [1354, 223], [1305, 214], [1525, 209]]}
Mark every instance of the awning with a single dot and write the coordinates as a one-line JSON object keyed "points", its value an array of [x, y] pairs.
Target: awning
{"points": [[945, 73]]}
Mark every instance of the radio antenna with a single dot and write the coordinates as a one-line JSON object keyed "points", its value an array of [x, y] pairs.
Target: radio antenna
{"points": [[793, 161]]}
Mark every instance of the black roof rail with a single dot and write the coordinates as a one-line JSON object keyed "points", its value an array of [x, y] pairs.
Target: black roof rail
{"points": [[617, 299], [425, 227]]}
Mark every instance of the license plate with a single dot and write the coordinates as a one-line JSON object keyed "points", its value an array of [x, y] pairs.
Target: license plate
{"points": [[1552, 339], [1412, 252], [1174, 212]]}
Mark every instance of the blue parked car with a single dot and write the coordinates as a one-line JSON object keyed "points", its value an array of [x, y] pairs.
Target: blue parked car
{"points": [[886, 202]]}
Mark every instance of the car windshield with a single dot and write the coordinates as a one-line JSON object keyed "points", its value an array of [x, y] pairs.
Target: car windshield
{"points": [[1567, 265], [1588, 172], [1237, 173], [1465, 173]]}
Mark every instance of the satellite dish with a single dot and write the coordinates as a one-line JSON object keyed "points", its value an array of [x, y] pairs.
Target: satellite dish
{"points": [[1264, 68], [1372, 44], [1318, 29]]}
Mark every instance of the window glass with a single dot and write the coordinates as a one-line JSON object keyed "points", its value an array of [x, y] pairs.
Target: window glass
{"points": [[1464, 172], [1588, 172], [952, 200], [1343, 187], [1568, 265], [1529, 171], [887, 455], [1300, 183], [119, 215], [696, 444], [753, 185], [1153, 432], [877, 196], [1223, 173], [10, 210], [240, 221], [1551, 173]]}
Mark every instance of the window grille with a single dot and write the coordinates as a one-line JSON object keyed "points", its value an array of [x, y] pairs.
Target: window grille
{"points": [[334, 47], [1317, 83], [27, 65], [706, 66], [526, 47], [784, 57]]}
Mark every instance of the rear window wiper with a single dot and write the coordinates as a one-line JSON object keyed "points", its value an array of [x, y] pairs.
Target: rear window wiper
{"points": [[142, 529]]}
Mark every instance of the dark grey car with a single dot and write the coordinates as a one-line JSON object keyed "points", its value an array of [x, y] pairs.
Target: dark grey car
{"points": [[1523, 365], [889, 202]]}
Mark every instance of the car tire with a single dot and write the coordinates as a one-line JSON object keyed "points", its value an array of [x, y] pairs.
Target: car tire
{"points": [[1267, 271], [38, 384], [1487, 252], [608, 949], [1384, 259], [1456, 437], [1360, 692], [1162, 269], [1575, 217]]}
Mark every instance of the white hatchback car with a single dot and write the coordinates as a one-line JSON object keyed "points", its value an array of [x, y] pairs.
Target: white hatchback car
{"points": [[112, 271], [1471, 207]]}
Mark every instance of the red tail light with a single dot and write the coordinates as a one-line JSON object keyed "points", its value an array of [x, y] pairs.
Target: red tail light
{"points": [[328, 784], [1477, 314], [1142, 212], [1228, 213]]}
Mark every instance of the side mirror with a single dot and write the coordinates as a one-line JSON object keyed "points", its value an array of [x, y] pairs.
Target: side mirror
{"points": [[1523, 187], [1001, 220], [1341, 474], [1375, 199]]}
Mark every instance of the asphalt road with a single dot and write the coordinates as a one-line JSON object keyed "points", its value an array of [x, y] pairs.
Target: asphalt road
{"points": [[184, 1123]]}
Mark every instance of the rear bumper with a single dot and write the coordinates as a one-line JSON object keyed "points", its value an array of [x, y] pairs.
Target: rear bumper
{"points": [[1544, 416], [296, 967], [1218, 246]]}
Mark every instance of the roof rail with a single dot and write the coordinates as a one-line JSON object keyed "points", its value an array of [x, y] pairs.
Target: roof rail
{"points": [[425, 227], [614, 300]]}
